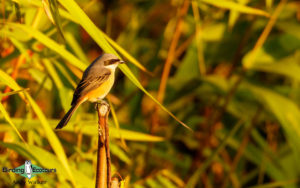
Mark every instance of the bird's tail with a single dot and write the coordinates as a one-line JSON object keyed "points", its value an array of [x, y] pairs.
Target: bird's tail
{"points": [[63, 122]]}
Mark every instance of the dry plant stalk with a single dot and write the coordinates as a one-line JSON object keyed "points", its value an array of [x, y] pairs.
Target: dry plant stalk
{"points": [[103, 175], [115, 182]]}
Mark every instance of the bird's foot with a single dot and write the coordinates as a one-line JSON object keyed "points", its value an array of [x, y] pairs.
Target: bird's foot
{"points": [[100, 103]]}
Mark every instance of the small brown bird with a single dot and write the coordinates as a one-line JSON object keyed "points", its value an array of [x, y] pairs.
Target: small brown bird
{"points": [[96, 82]]}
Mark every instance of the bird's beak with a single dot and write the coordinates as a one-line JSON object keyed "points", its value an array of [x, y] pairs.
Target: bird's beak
{"points": [[121, 61]]}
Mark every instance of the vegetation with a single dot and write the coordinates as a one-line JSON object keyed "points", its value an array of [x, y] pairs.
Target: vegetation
{"points": [[227, 69]]}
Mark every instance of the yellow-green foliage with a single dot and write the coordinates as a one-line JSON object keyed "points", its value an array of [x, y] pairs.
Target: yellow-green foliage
{"points": [[233, 79]]}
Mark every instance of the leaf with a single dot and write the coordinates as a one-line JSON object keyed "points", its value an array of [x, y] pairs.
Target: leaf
{"points": [[213, 32], [112, 42], [165, 181], [130, 75], [20, 47], [47, 160], [13, 92], [47, 10], [78, 14], [66, 73], [76, 47], [122, 133], [41, 78], [168, 173], [62, 91], [7, 80], [49, 43], [233, 17], [18, 11], [290, 27], [89, 128], [116, 122], [114, 149], [29, 3], [53, 73], [56, 16], [52, 138], [189, 64], [285, 111], [269, 4], [6, 116], [235, 6], [287, 67]]}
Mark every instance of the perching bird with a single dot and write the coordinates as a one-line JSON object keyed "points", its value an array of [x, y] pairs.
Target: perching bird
{"points": [[96, 82]]}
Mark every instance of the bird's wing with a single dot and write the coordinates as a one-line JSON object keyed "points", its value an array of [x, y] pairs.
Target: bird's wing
{"points": [[89, 83]]}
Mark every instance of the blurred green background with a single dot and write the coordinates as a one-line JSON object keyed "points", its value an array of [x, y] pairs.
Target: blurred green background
{"points": [[227, 69]]}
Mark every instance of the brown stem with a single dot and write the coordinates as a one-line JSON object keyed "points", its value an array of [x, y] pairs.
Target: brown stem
{"points": [[103, 157], [115, 182], [167, 67], [107, 154]]}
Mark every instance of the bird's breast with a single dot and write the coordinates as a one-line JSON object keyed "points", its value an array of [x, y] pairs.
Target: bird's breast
{"points": [[100, 92]]}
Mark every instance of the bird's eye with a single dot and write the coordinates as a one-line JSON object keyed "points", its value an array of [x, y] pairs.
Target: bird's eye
{"points": [[111, 61]]}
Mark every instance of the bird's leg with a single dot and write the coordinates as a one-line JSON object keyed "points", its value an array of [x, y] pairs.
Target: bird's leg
{"points": [[103, 102]]}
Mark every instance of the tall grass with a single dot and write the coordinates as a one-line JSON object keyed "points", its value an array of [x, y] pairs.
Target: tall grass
{"points": [[228, 70]]}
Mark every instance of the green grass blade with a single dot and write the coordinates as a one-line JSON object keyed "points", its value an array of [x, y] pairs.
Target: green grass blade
{"points": [[78, 14], [114, 133], [7, 80], [52, 138], [284, 109], [235, 6], [20, 47], [94, 31], [62, 91], [76, 47], [118, 152], [88, 129], [116, 122], [269, 4], [18, 11], [42, 78], [48, 160], [80, 54], [51, 44], [6, 116], [53, 4], [131, 76], [13, 92], [287, 66], [51, 70]]}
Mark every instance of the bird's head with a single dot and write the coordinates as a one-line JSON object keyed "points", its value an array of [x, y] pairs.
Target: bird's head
{"points": [[110, 61]]}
